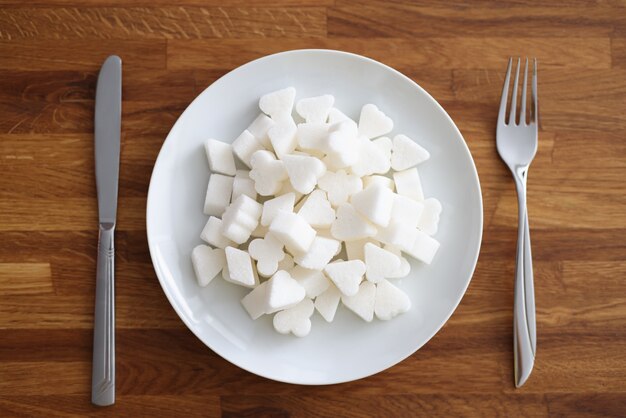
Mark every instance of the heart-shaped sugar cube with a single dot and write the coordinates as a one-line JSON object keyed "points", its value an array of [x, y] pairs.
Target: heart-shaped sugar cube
{"points": [[315, 109], [350, 226], [375, 203], [313, 281], [407, 153], [327, 303], [380, 263], [373, 157], [346, 275], [317, 210], [268, 252], [283, 136], [339, 186], [267, 172], [373, 122], [303, 171], [283, 292], [405, 267], [363, 301], [278, 103], [320, 253], [273, 206], [207, 263], [390, 301], [342, 144], [295, 320]]}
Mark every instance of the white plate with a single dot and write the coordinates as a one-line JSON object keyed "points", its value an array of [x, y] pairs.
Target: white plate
{"points": [[348, 348]]}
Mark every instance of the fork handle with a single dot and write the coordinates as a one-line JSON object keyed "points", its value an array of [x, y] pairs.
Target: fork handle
{"points": [[103, 367], [524, 327]]}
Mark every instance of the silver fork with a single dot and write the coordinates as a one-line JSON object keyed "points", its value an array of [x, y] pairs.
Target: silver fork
{"points": [[516, 140]]}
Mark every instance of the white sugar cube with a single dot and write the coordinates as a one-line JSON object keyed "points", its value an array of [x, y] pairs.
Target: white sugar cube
{"points": [[390, 301], [282, 292], [405, 267], [212, 233], [407, 153], [218, 194], [243, 184], [317, 211], [255, 302], [355, 250], [319, 254], [220, 157], [273, 206], [303, 171], [363, 301], [335, 116], [278, 103], [295, 320], [315, 109], [378, 179], [267, 172], [429, 221], [342, 145], [312, 136], [293, 231], [408, 184], [373, 158], [259, 129], [398, 235], [424, 248], [313, 281], [246, 144], [346, 275], [268, 252], [283, 137], [406, 211], [375, 203], [340, 186], [327, 303], [207, 263], [380, 263], [240, 268], [240, 219], [350, 226], [373, 122]]}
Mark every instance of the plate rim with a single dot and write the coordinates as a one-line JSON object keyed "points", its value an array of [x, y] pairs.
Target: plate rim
{"points": [[466, 151]]}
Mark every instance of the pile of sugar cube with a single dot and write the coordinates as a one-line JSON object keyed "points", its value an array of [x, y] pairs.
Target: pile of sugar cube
{"points": [[325, 212]]}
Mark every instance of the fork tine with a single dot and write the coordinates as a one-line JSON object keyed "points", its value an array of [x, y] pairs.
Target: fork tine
{"points": [[514, 96], [522, 113], [505, 93], [535, 114]]}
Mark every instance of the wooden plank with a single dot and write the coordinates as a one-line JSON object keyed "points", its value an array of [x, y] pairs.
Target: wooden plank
{"points": [[586, 405], [67, 214], [618, 52], [25, 279], [152, 3], [98, 23], [136, 406], [384, 405], [445, 53], [410, 20], [73, 55]]}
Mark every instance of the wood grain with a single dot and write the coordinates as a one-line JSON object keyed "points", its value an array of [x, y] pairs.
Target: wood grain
{"points": [[50, 52]]}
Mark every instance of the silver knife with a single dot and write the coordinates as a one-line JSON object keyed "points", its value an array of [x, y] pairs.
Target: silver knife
{"points": [[107, 156]]}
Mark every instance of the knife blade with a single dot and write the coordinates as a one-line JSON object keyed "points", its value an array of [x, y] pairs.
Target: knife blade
{"points": [[108, 117]]}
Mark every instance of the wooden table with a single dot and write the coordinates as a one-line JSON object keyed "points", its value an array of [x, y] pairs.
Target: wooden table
{"points": [[50, 52]]}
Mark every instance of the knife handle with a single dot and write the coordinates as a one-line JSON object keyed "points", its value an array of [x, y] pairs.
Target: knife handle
{"points": [[103, 366]]}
